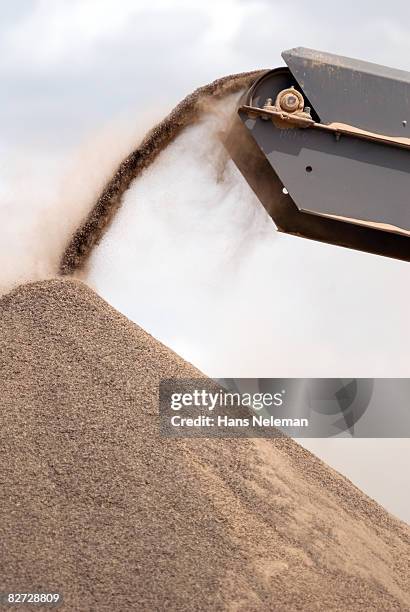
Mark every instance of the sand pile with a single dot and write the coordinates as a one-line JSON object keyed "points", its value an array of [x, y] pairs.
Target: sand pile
{"points": [[97, 505]]}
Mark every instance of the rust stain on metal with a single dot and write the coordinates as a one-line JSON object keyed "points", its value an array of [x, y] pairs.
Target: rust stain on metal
{"points": [[387, 227], [303, 121]]}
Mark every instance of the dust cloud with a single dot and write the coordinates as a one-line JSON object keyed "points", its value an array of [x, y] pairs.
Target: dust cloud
{"points": [[44, 197], [193, 257]]}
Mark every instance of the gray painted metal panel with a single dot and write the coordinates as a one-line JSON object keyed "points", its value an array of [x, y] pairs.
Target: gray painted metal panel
{"points": [[362, 94], [349, 178], [354, 186], [266, 184]]}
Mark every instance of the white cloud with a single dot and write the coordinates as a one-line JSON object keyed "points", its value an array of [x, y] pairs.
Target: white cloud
{"points": [[52, 31], [71, 30]]}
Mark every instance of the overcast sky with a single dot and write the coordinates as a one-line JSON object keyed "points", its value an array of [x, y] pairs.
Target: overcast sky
{"points": [[69, 66]]}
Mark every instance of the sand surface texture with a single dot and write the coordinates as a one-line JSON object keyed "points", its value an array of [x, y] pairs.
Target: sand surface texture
{"points": [[95, 504]]}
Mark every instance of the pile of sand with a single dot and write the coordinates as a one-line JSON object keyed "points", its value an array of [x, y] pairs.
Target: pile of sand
{"points": [[97, 505]]}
